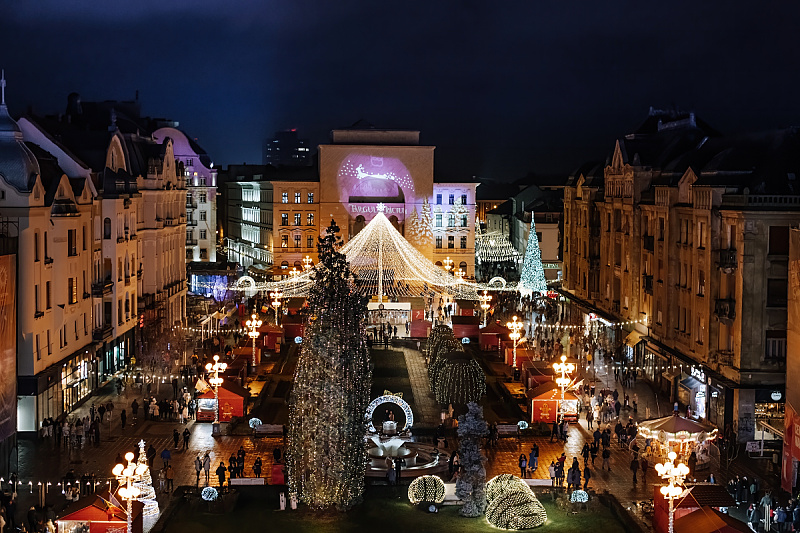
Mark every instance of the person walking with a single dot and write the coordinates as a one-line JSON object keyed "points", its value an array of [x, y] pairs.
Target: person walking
{"points": [[587, 475], [533, 462], [166, 456], [589, 419], [186, 435], [554, 433], [151, 456], [585, 453], [634, 469], [220, 471], [207, 465], [170, 475], [176, 437], [552, 471], [606, 457], [644, 466], [123, 417], [257, 467], [135, 409], [523, 464], [198, 467]]}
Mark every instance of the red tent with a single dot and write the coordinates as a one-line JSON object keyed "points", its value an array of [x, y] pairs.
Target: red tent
{"points": [[701, 495], [102, 513], [232, 400], [270, 335], [544, 403], [490, 336], [709, 520]]}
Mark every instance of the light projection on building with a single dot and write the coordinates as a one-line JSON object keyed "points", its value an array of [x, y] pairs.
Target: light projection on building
{"points": [[370, 179]]}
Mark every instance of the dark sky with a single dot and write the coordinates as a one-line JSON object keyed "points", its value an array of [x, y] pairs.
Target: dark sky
{"points": [[501, 88]]}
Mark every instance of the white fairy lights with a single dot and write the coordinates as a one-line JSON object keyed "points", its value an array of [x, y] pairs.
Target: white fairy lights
{"points": [[426, 489]]}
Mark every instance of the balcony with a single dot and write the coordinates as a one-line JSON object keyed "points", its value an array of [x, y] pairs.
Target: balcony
{"points": [[48, 260], [647, 283], [139, 274], [725, 357], [101, 288], [171, 221], [191, 222], [191, 204], [727, 261], [127, 280], [648, 243], [725, 308], [191, 242], [615, 306], [102, 333], [120, 239]]}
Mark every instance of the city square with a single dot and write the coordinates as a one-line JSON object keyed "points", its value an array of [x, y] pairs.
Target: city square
{"points": [[438, 283]]}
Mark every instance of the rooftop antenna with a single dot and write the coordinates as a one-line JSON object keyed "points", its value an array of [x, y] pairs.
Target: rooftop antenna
{"points": [[3, 87]]}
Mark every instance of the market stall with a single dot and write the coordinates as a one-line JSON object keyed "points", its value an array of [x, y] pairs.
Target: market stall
{"points": [[99, 513], [232, 401], [545, 400], [657, 437]]}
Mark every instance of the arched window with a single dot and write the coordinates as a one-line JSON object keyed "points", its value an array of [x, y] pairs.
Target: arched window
{"points": [[298, 265], [107, 228], [285, 265], [359, 224]]}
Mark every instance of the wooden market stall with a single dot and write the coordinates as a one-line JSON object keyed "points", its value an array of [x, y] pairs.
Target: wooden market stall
{"points": [[232, 401], [100, 513], [700, 496], [545, 400], [709, 520], [491, 336]]}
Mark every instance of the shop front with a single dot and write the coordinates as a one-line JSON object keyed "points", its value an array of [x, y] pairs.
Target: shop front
{"points": [[770, 408], [693, 392]]}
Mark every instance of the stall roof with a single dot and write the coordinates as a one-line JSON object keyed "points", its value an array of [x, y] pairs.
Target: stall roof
{"points": [[549, 391], [709, 520], [494, 329], [674, 424], [633, 338]]}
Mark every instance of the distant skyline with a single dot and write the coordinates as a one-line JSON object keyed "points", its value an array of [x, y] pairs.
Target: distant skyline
{"points": [[501, 89]]}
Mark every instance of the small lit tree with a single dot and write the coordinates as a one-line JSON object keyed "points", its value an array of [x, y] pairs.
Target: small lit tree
{"points": [[471, 484], [532, 279]]}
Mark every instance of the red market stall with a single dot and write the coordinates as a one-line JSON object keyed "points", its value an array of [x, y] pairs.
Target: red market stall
{"points": [[544, 403], [420, 329], [232, 400], [465, 326], [271, 337], [102, 513], [709, 520], [491, 336], [276, 475], [701, 495], [293, 326]]}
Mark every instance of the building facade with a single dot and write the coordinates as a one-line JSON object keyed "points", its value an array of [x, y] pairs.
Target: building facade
{"points": [[286, 148], [693, 232]]}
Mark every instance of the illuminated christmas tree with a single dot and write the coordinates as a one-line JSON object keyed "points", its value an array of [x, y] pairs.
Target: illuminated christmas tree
{"points": [[326, 456], [147, 494], [426, 223], [471, 484], [532, 279]]}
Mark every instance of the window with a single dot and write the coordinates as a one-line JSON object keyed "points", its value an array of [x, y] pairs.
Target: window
{"points": [[297, 241], [701, 234], [451, 241], [310, 219], [49, 348], [203, 253], [73, 290], [451, 220], [47, 301], [778, 240], [310, 241], [297, 197], [284, 241], [106, 228], [701, 283], [297, 219], [438, 241], [285, 198], [451, 199], [72, 244], [202, 216], [202, 181], [463, 199], [203, 197], [438, 220], [38, 349], [36, 246], [464, 220], [83, 237], [539, 236], [463, 242], [438, 199], [203, 234], [284, 219], [777, 291], [775, 347], [311, 197]]}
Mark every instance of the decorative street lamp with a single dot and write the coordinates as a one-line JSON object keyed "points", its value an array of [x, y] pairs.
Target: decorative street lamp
{"points": [[127, 476], [459, 273], [276, 303], [674, 474], [307, 262], [563, 381], [485, 298], [253, 324], [515, 335], [215, 382], [448, 264]]}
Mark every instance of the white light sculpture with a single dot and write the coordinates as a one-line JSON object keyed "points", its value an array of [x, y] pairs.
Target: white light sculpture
{"points": [[253, 324], [674, 475]]}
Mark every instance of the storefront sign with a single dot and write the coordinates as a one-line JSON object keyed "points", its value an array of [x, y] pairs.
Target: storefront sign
{"points": [[371, 209], [698, 374]]}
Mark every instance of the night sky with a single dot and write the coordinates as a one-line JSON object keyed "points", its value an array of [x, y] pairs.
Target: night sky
{"points": [[501, 88]]}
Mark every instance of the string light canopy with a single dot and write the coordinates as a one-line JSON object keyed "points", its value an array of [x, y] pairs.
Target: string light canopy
{"points": [[386, 265], [494, 247]]}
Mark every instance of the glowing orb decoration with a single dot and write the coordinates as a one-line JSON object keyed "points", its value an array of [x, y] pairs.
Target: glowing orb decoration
{"points": [[298, 340], [465, 340], [390, 399], [502, 484], [497, 282], [209, 494], [428, 489], [516, 509], [254, 423], [579, 496], [522, 424], [433, 509]]}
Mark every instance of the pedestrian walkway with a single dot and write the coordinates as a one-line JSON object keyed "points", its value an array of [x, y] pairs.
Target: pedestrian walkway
{"points": [[425, 403]]}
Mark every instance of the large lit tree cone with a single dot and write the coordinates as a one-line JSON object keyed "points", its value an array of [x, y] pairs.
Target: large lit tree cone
{"points": [[532, 278], [516, 509], [325, 453], [426, 489], [460, 380], [471, 484], [438, 334], [504, 483]]}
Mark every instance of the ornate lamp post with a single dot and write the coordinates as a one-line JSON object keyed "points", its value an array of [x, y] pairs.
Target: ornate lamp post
{"points": [[253, 324], [215, 381], [459, 273], [276, 303], [448, 264], [485, 298], [674, 475], [515, 335], [307, 262], [563, 381], [127, 476], [294, 273]]}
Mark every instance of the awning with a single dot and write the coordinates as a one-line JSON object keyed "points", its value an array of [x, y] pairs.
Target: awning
{"points": [[633, 338], [691, 383], [669, 375]]}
